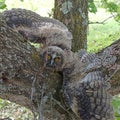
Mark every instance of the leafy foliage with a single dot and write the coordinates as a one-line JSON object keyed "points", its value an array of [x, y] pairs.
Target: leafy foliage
{"points": [[91, 6], [112, 7], [2, 4]]}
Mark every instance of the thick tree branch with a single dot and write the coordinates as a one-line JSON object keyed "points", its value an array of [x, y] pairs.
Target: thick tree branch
{"points": [[114, 49], [22, 77]]}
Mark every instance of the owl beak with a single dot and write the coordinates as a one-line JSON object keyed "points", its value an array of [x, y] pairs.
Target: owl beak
{"points": [[52, 61]]}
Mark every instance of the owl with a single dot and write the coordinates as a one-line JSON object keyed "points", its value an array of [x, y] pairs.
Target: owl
{"points": [[38, 29], [54, 58]]}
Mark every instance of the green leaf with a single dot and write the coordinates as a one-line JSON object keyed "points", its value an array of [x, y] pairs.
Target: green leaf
{"points": [[117, 18], [66, 7], [2, 4], [112, 7], [91, 6], [118, 9]]}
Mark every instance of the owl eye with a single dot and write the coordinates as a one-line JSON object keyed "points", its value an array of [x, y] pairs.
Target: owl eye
{"points": [[57, 59], [48, 57]]}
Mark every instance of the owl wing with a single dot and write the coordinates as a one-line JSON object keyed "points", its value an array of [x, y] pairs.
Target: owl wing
{"points": [[93, 99], [91, 95], [88, 97], [36, 28]]}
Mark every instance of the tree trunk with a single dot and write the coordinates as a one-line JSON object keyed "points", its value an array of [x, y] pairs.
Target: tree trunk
{"points": [[74, 14]]}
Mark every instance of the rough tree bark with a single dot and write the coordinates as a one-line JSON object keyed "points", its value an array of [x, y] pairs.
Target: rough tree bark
{"points": [[115, 79], [22, 78], [24, 81], [74, 14]]}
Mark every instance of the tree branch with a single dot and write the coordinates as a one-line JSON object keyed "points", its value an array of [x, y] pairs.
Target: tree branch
{"points": [[22, 77], [114, 49], [102, 22]]}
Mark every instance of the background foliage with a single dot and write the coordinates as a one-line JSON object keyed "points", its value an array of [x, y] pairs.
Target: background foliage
{"points": [[104, 28]]}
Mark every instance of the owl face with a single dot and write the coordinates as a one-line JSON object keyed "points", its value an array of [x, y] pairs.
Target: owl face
{"points": [[54, 58]]}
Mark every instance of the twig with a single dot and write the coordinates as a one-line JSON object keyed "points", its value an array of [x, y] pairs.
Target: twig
{"points": [[102, 22], [41, 104], [31, 96]]}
